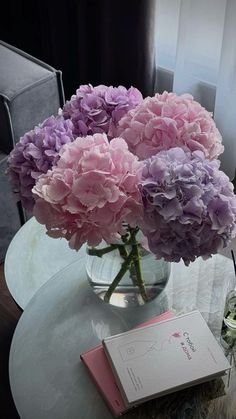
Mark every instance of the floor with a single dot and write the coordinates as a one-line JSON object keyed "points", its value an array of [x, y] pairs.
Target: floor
{"points": [[9, 316]]}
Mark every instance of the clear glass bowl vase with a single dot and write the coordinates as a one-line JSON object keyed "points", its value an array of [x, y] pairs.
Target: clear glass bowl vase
{"points": [[101, 272]]}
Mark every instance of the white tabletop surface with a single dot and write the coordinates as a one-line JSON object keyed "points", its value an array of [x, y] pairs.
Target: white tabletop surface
{"points": [[32, 258], [65, 318]]}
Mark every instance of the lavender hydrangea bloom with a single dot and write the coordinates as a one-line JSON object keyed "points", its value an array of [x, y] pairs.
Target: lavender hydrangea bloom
{"points": [[35, 153], [99, 109], [189, 206]]}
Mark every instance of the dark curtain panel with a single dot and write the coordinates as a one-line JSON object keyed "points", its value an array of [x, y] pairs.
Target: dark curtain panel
{"points": [[91, 41]]}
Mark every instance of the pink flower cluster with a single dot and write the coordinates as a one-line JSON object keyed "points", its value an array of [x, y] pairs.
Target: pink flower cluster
{"points": [[167, 120], [90, 192]]}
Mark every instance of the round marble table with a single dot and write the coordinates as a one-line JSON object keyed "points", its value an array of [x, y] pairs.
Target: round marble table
{"points": [[65, 318], [32, 258]]}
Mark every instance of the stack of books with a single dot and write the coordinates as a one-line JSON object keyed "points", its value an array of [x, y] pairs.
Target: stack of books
{"points": [[163, 355]]}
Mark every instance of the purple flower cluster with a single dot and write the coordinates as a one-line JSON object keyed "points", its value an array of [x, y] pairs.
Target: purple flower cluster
{"points": [[189, 205], [99, 109], [35, 153]]}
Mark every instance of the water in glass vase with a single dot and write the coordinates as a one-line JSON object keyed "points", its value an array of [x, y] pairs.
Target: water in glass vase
{"points": [[129, 290]]}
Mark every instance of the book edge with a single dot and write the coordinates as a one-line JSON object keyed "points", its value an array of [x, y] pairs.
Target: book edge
{"points": [[134, 330], [123, 395], [178, 388], [103, 394]]}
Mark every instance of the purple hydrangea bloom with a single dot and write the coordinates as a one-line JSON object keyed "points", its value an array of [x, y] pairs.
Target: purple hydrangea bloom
{"points": [[189, 206], [35, 153], [99, 109]]}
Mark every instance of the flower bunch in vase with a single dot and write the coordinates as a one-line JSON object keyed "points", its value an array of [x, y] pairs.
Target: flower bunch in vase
{"points": [[140, 175]]}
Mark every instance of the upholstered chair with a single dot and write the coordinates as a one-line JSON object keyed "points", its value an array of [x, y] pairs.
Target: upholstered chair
{"points": [[30, 91]]}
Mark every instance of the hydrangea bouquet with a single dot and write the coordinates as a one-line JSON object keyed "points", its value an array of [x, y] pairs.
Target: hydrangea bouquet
{"points": [[112, 164]]}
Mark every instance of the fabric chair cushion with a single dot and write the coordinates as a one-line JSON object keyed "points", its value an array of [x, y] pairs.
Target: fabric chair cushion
{"points": [[30, 91]]}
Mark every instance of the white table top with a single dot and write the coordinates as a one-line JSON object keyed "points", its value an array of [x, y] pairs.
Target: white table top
{"points": [[32, 258], [65, 318]]}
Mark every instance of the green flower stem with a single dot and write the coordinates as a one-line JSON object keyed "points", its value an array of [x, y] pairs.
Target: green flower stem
{"points": [[125, 238], [100, 252], [124, 267], [123, 251], [131, 262], [132, 271], [137, 264], [124, 255]]}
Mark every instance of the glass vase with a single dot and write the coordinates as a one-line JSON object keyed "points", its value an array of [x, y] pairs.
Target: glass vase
{"points": [[105, 262]]}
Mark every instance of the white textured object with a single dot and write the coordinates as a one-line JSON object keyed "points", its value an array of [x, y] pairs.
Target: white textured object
{"points": [[65, 318], [32, 258]]}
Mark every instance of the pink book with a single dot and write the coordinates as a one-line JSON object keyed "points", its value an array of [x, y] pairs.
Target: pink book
{"points": [[100, 370]]}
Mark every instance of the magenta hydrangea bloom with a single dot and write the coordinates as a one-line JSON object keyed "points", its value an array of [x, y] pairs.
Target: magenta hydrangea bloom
{"points": [[168, 120], [35, 153], [189, 206], [91, 191], [98, 109]]}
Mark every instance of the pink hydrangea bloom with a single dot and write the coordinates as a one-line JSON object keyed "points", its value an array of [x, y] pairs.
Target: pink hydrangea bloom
{"points": [[168, 120], [91, 191]]}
